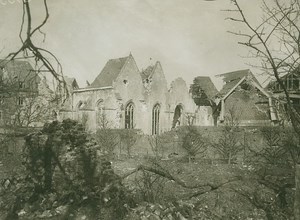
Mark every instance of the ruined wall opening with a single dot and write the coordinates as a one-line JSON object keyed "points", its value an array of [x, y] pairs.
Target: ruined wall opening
{"points": [[177, 116], [101, 119], [155, 119], [129, 111], [79, 105]]}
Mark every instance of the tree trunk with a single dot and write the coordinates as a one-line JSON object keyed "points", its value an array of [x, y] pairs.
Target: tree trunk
{"points": [[48, 168], [229, 158], [297, 193]]}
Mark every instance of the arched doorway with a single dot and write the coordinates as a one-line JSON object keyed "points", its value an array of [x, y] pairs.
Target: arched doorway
{"points": [[155, 119], [177, 116]]}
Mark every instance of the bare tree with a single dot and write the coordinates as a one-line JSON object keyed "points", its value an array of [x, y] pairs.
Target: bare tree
{"points": [[102, 121], [26, 99], [129, 137], [32, 107], [33, 112], [233, 116], [106, 137], [275, 42], [45, 60], [156, 145]]}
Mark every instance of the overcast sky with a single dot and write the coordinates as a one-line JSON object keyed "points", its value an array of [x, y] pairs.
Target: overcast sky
{"points": [[189, 37]]}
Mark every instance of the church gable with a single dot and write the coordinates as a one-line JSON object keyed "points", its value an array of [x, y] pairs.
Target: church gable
{"points": [[129, 81], [154, 79], [179, 93]]}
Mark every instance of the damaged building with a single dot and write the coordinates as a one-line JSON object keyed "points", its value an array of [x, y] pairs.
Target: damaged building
{"points": [[243, 101], [122, 96]]}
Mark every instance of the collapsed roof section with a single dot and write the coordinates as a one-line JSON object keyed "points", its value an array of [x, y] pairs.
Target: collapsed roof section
{"points": [[233, 79], [205, 84], [236, 79]]}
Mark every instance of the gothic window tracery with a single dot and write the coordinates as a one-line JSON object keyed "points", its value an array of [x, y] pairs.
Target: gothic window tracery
{"points": [[155, 119], [129, 113]]}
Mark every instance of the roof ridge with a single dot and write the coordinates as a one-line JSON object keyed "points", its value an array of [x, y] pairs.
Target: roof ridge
{"points": [[110, 72], [130, 56], [118, 58]]}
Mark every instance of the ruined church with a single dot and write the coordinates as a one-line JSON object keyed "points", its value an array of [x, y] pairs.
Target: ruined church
{"points": [[122, 96]]}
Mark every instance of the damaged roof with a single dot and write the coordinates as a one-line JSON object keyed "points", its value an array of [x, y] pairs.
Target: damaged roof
{"points": [[231, 79], [109, 73], [207, 85], [235, 75], [147, 72], [150, 70]]}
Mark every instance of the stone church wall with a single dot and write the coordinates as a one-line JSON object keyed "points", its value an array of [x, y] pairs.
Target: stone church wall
{"points": [[175, 105]]}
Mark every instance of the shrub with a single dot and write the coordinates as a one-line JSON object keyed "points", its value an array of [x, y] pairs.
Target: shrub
{"points": [[63, 166]]}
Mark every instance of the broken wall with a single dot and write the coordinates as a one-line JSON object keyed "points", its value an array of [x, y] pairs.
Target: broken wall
{"points": [[179, 95]]}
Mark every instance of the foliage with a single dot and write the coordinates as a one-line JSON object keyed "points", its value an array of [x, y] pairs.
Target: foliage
{"points": [[128, 138], [291, 145], [194, 143], [108, 140], [63, 166], [116, 141], [274, 150], [199, 96], [228, 144], [157, 143], [273, 169]]}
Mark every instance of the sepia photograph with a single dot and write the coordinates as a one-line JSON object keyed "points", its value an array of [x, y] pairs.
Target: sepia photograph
{"points": [[150, 110]]}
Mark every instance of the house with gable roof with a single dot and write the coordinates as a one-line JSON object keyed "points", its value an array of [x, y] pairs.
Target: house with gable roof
{"points": [[127, 98], [25, 97], [291, 81], [244, 101]]}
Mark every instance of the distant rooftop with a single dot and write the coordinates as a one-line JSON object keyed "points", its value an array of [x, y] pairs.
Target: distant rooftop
{"points": [[17, 68]]}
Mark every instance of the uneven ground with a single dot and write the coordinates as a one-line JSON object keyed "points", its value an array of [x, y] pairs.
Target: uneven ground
{"points": [[221, 203]]}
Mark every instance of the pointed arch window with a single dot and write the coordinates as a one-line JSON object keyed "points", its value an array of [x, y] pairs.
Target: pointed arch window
{"points": [[100, 115], [155, 119], [100, 106], [129, 111]]}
